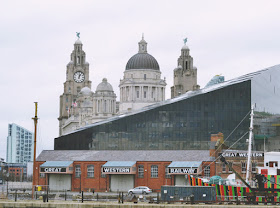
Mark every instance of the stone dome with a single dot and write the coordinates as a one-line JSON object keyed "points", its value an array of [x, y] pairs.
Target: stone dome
{"points": [[185, 47], [86, 91], [78, 42], [104, 86], [142, 61]]}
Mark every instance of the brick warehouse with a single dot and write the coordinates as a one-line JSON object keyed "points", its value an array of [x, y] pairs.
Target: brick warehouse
{"points": [[85, 170]]}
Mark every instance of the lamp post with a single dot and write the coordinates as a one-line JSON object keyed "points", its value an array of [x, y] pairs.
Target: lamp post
{"points": [[7, 179]]}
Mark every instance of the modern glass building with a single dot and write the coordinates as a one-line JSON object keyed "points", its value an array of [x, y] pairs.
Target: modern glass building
{"points": [[19, 144], [185, 122]]}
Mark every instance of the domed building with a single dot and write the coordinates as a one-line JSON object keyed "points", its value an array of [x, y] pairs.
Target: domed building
{"points": [[79, 106], [94, 107], [85, 106], [141, 84], [104, 101]]}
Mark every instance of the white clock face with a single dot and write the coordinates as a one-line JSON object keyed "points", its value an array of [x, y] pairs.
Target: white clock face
{"points": [[79, 77]]}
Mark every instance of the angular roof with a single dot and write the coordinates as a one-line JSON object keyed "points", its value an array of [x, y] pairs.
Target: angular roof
{"points": [[185, 96], [124, 155]]}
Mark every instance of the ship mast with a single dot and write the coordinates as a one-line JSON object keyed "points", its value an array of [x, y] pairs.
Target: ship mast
{"points": [[250, 144], [35, 137]]}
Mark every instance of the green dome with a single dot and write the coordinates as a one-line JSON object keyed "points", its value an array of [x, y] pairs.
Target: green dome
{"points": [[215, 179]]}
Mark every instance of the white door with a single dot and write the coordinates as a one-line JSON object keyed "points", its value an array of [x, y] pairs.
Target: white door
{"points": [[59, 182], [180, 180], [121, 182]]}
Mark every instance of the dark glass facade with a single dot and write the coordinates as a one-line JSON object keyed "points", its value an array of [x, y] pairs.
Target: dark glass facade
{"points": [[187, 122], [179, 125]]}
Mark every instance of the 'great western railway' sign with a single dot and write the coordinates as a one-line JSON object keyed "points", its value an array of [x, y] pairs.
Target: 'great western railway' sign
{"points": [[182, 170], [116, 170], [53, 170], [242, 154]]}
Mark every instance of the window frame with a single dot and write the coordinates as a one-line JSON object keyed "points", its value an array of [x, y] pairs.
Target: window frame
{"points": [[78, 171], [90, 171], [140, 171], [154, 171]]}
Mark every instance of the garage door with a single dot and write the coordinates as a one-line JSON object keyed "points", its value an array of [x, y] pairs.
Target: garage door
{"points": [[59, 182], [121, 182], [180, 180]]}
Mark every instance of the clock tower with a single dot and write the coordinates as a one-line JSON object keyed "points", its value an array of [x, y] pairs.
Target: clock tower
{"points": [[77, 77]]}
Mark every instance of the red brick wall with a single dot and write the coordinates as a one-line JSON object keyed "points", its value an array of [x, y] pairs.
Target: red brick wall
{"points": [[100, 184]]}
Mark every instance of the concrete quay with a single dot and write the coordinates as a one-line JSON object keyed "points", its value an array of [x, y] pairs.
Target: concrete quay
{"points": [[32, 204]]}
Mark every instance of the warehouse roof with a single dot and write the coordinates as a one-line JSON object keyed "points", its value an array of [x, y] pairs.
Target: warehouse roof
{"points": [[124, 155]]}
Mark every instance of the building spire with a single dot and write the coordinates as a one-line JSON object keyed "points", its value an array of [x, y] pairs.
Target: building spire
{"points": [[142, 45]]}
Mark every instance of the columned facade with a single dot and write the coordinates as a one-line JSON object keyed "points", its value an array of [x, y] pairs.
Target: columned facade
{"points": [[142, 84]]}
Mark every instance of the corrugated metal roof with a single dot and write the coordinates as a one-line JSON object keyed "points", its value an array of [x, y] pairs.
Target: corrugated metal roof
{"points": [[119, 164], [53, 164], [185, 164], [124, 155]]}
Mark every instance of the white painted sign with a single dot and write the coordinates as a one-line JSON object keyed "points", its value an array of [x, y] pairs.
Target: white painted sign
{"points": [[116, 170], [242, 154], [53, 170], [182, 170]]}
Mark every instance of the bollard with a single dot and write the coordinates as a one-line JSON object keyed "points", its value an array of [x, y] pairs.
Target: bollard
{"points": [[122, 197], [119, 197], [65, 195], [82, 196], [192, 198], [36, 195], [47, 194], [16, 196], [157, 198], [96, 197]]}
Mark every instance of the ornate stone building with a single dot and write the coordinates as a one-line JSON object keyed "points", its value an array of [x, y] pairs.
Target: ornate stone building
{"points": [[79, 106], [77, 77], [141, 84], [185, 75]]}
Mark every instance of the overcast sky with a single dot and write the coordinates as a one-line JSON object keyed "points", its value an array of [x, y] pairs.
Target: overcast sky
{"points": [[231, 38]]}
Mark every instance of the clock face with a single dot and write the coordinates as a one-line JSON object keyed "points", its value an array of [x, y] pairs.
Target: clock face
{"points": [[79, 77]]}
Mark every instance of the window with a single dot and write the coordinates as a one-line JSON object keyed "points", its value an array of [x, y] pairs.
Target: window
{"points": [[243, 167], [137, 94], [154, 171], [145, 76], [145, 94], [141, 171], [42, 175], [224, 168], [90, 171], [166, 172], [207, 171], [254, 165], [78, 89], [78, 171]]}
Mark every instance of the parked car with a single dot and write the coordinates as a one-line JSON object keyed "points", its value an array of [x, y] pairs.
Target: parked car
{"points": [[140, 190]]}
